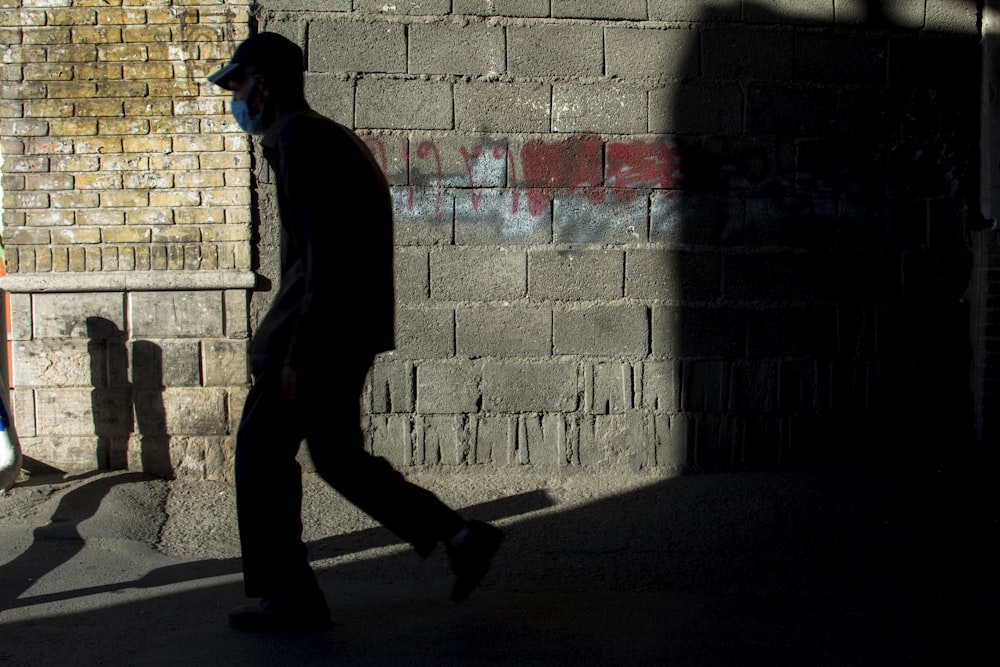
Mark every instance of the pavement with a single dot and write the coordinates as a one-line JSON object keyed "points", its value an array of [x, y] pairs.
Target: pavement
{"points": [[749, 568]]}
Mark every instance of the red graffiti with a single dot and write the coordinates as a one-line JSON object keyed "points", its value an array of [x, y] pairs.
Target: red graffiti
{"points": [[581, 164], [641, 164], [572, 163], [377, 148], [424, 149]]}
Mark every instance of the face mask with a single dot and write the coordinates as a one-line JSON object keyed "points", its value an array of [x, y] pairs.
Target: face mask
{"points": [[247, 122]]}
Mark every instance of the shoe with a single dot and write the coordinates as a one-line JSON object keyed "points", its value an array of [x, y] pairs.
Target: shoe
{"points": [[470, 559], [277, 614]]}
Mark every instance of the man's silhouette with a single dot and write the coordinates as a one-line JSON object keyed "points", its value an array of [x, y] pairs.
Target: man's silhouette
{"points": [[311, 353]]}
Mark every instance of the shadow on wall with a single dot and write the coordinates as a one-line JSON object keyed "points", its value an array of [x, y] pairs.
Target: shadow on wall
{"points": [[122, 406], [822, 237]]}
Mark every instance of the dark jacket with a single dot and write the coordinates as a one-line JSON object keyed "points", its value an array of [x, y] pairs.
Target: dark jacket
{"points": [[336, 295]]}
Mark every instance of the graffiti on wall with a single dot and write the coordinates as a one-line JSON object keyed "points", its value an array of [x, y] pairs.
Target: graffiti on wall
{"points": [[583, 164]]}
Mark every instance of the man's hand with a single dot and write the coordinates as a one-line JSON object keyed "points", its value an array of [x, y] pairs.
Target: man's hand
{"points": [[289, 382]]}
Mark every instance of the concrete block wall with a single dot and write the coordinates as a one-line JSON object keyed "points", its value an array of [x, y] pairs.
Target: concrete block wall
{"points": [[639, 236], [651, 236]]}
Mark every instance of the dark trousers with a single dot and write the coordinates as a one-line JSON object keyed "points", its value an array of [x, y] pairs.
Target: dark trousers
{"points": [[269, 479]]}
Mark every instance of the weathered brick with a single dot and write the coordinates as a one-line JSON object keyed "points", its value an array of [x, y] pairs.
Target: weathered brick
{"points": [[176, 314], [422, 216], [77, 315], [699, 331], [524, 8], [225, 362], [497, 217], [408, 7]]}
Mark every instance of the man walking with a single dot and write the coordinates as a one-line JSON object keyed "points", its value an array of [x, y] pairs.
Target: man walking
{"points": [[336, 285]]}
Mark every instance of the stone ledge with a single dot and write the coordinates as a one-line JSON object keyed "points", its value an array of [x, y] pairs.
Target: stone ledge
{"points": [[136, 281]]}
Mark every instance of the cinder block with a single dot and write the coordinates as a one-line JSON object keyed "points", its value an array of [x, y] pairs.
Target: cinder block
{"points": [[601, 216], [412, 275], [423, 216], [494, 440], [404, 7], [391, 385], [753, 387], [672, 10], [515, 386], [672, 275], [790, 11], [478, 274], [703, 386], [576, 274], [523, 8], [493, 106], [602, 330], [696, 108], [441, 440], [447, 47], [459, 161], [599, 9], [500, 217], [601, 107], [555, 50], [390, 436], [618, 442], [658, 384], [425, 333], [742, 52], [225, 362], [177, 314], [950, 16], [671, 434], [688, 218], [790, 332], [608, 388], [656, 54], [448, 387], [409, 104], [78, 315], [693, 332], [332, 96], [340, 44], [392, 152], [495, 331]]}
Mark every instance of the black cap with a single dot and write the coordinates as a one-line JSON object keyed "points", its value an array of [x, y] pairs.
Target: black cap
{"points": [[266, 52]]}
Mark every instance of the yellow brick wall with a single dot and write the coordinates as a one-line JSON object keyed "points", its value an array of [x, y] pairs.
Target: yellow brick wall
{"points": [[117, 154]]}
